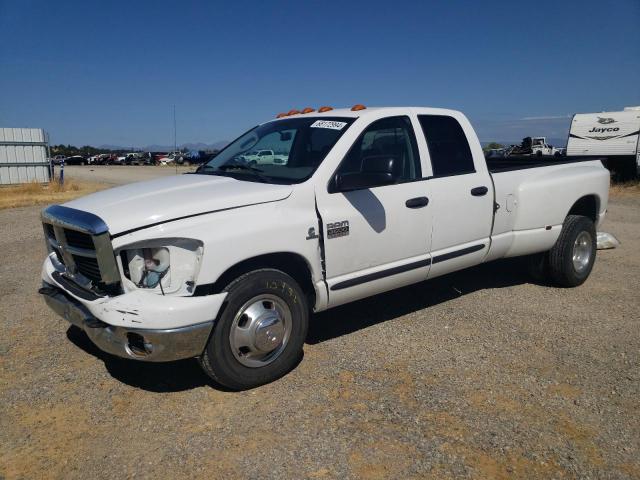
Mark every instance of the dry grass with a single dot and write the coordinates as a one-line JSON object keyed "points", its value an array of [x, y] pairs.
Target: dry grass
{"points": [[35, 193], [625, 189]]}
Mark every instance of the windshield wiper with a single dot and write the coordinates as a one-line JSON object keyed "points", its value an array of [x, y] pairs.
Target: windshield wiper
{"points": [[248, 168], [239, 166]]}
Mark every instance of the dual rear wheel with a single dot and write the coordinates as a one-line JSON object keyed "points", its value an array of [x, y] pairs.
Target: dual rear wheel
{"points": [[570, 261]]}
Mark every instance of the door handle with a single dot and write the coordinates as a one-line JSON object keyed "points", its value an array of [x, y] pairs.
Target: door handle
{"points": [[479, 191], [417, 202]]}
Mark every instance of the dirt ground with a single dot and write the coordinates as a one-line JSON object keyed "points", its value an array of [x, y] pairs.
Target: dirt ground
{"points": [[480, 374], [121, 174]]}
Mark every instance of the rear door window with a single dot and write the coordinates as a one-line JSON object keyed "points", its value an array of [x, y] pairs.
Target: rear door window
{"points": [[448, 146]]}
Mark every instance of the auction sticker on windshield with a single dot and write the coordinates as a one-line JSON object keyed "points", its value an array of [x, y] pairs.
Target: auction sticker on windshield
{"points": [[328, 124]]}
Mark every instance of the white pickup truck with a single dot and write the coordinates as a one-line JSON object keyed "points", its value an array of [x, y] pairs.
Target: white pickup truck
{"points": [[264, 157], [227, 264], [540, 147]]}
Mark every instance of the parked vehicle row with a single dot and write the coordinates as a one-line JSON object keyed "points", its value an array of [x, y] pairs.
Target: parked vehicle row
{"points": [[137, 158]]}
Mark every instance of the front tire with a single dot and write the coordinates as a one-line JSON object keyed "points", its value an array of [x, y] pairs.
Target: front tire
{"points": [[260, 333], [572, 257]]}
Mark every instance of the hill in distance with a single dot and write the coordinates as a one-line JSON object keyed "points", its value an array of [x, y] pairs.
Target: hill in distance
{"points": [[167, 148]]}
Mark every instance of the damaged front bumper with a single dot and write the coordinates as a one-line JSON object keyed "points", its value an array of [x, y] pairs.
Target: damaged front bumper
{"points": [[138, 325], [155, 345]]}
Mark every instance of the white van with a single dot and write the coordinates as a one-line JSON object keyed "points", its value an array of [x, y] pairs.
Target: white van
{"points": [[612, 135]]}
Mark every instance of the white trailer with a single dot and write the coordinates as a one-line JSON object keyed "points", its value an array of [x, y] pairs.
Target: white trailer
{"points": [[611, 135], [23, 156]]}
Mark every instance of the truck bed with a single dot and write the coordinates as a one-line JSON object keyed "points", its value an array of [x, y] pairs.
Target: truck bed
{"points": [[521, 162]]}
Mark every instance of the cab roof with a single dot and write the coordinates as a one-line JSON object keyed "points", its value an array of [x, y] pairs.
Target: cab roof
{"points": [[371, 111]]}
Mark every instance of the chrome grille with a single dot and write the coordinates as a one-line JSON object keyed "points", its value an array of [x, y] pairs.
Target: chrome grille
{"points": [[82, 244], [78, 239], [48, 231], [88, 267]]}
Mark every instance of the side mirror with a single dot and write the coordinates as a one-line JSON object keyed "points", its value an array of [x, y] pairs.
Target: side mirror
{"points": [[377, 170]]}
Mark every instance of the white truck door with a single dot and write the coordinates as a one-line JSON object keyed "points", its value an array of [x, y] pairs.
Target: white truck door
{"points": [[376, 238], [461, 194]]}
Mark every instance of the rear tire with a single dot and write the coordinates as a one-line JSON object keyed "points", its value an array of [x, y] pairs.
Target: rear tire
{"points": [[259, 335], [572, 257]]}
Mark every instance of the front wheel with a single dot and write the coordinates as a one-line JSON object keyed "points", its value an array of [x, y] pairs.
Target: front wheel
{"points": [[260, 333], [571, 259]]}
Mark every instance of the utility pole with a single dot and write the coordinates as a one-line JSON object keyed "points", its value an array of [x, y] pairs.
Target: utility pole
{"points": [[175, 139]]}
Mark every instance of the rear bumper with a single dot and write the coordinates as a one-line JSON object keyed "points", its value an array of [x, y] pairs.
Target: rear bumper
{"points": [[153, 345]]}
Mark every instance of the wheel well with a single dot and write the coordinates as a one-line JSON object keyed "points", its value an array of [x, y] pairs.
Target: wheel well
{"points": [[292, 264], [587, 206]]}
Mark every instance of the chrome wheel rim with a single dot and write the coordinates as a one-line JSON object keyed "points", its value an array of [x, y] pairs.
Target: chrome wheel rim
{"points": [[260, 330], [582, 251]]}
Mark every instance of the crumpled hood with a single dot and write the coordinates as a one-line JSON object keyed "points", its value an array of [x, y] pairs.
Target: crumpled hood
{"points": [[142, 204]]}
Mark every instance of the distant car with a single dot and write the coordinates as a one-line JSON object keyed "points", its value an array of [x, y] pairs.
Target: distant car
{"points": [[537, 146], [177, 157], [57, 159], [147, 159], [106, 159], [156, 156], [197, 157], [264, 157], [495, 153], [75, 160], [133, 159]]}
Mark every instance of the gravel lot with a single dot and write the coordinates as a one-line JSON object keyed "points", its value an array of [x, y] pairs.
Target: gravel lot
{"points": [[478, 374]]}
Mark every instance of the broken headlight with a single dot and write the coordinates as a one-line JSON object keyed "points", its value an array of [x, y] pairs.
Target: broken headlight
{"points": [[166, 266]]}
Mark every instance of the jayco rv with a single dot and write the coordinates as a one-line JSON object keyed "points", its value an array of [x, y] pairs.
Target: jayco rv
{"points": [[611, 135]]}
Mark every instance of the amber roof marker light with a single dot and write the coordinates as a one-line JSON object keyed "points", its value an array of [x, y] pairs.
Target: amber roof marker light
{"points": [[293, 112], [324, 109], [357, 107], [308, 110], [281, 115]]}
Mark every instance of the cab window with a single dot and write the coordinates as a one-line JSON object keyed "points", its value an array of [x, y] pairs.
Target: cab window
{"points": [[391, 137]]}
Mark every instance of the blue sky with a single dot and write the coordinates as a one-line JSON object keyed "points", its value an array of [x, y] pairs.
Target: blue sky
{"points": [[97, 73]]}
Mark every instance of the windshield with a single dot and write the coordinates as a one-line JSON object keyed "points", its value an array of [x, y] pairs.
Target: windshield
{"points": [[286, 151]]}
